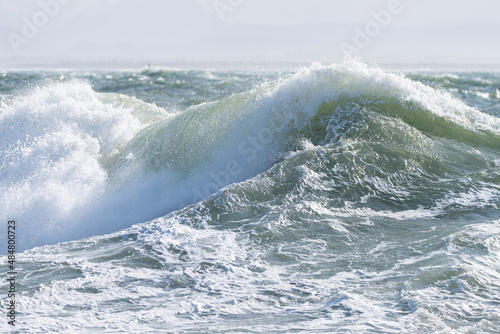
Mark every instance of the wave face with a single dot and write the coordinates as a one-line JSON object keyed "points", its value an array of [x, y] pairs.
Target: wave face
{"points": [[334, 198]]}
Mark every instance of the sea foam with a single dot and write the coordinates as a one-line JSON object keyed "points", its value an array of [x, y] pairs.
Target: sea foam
{"points": [[77, 163]]}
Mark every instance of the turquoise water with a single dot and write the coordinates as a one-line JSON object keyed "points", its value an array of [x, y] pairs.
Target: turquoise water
{"points": [[335, 198]]}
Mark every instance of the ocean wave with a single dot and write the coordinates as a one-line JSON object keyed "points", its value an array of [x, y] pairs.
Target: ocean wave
{"points": [[77, 163]]}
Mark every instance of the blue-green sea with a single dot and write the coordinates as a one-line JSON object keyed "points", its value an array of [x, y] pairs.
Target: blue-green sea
{"points": [[332, 198]]}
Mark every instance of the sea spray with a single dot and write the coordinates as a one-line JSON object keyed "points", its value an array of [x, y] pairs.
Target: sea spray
{"points": [[339, 198], [78, 163]]}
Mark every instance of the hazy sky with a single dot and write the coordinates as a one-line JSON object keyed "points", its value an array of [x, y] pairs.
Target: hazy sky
{"points": [[445, 31]]}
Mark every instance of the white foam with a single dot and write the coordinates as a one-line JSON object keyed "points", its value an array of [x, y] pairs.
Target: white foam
{"points": [[52, 141], [77, 163]]}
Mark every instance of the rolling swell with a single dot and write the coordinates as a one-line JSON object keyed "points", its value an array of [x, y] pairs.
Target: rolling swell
{"points": [[82, 163], [338, 198]]}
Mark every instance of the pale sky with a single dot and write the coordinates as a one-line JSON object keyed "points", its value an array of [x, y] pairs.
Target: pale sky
{"points": [[397, 31]]}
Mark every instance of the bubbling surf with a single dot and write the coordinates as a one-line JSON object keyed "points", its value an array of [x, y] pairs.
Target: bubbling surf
{"points": [[337, 198], [77, 163]]}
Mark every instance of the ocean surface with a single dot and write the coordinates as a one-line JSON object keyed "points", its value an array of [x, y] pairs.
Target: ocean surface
{"points": [[337, 198]]}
